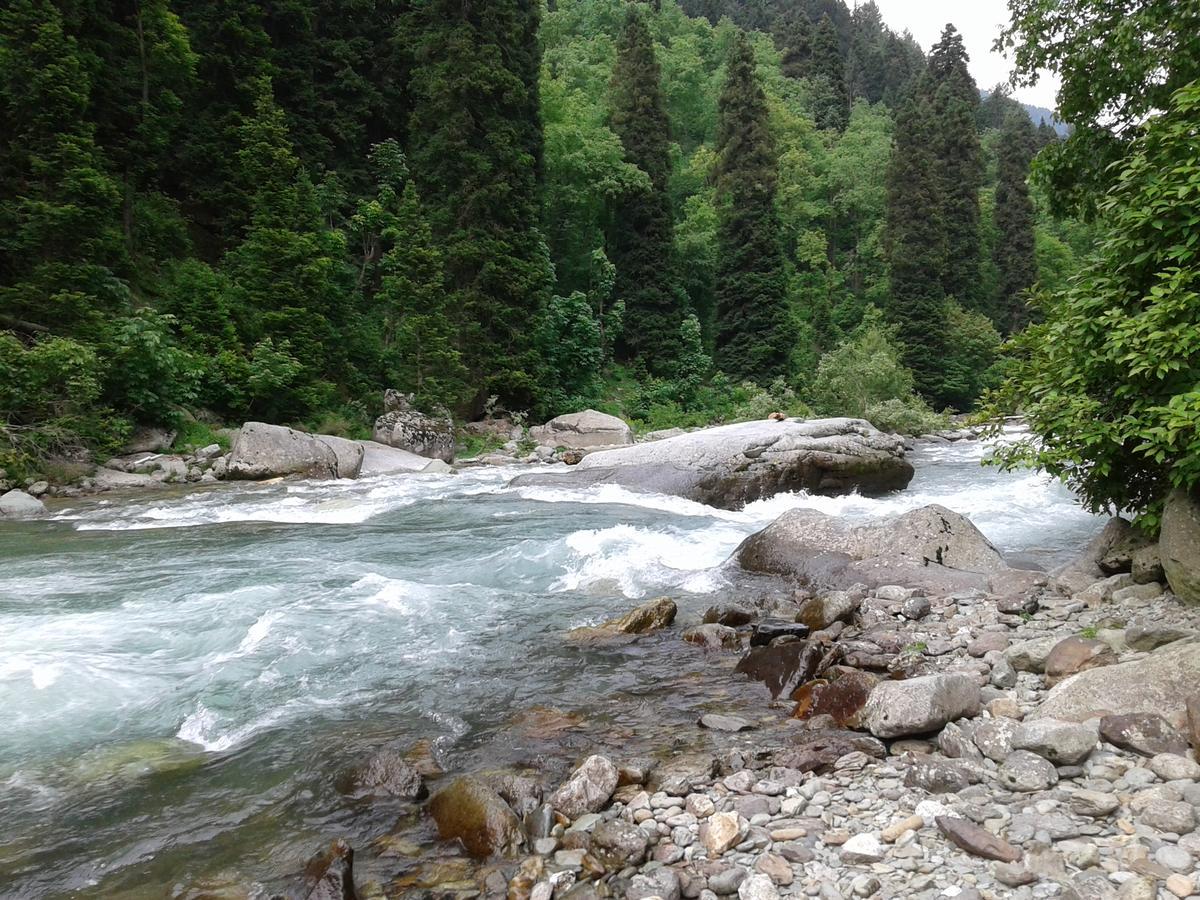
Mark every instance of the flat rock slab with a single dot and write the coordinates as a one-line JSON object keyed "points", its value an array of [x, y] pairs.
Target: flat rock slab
{"points": [[718, 722], [732, 465], [975, 840]]}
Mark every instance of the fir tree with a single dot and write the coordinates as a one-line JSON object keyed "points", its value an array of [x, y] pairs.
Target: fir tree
{"points": [[916, 241], [476, 152], [643, 242], [1014, 251], [755, 335], [832, 101], [61, 249], [867, 66], [958, 162], [794, 40]]}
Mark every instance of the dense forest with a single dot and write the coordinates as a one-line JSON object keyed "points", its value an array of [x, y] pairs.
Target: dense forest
{"points": [[680, 213]]}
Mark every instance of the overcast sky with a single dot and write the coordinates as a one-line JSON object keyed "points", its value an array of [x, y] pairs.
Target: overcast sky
{"points": [[980, 22]]}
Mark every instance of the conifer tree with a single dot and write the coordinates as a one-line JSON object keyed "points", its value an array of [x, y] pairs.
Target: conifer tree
{"points": [[794, 40], [1014, 251], [916, 240], [755, 336], [867, 66], [61, 250], [829, 74], [643, 241], [959, 163], [476, 152]]}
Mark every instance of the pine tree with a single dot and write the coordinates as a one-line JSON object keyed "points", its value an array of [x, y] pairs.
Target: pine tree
{"points": [[643, 241], [1014, 251], [958, 161], [476, 152], [755, 335], [61, 250], [867, 66], [794, 39], [916, 243], [832, 100]]}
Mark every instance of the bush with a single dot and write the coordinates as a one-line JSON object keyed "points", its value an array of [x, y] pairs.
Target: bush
{"points": [[864, 370], [910, 416]]}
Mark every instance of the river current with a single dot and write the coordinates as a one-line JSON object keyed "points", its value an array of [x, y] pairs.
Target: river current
{"points": [[183, 676]]}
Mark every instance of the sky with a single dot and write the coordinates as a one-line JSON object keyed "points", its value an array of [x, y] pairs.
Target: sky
{"points": [[979, 22]]}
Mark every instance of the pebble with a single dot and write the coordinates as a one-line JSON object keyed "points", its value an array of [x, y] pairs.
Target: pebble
{"points": [[1181, 885]]}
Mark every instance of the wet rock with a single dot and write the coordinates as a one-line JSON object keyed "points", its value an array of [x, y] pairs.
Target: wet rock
{"points": [[818, 613], [422, 757], [770, 629], [732, 615], [1146, 733], [817, 751], [387, 773], [717, 722], [1158, 683], [1027, 772], [1076, 654], [269, 451], [617, 844], [783, 667], [842, 699], [975, 840], [713, 636], [471, 812], [588, 789], [1063, 743], [522, 793], [731, 465], [1179, 544], [650, 616], [919, 705], [330, 874], [17, 504]]}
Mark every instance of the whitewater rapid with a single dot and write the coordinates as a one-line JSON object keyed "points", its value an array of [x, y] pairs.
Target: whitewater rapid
{"points": [[243, 637]]}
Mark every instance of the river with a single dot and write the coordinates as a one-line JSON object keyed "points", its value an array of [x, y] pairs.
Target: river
{"points": [[184, 676]]}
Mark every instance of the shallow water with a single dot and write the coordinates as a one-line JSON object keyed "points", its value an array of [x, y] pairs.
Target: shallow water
{"points": [[184, 677]]}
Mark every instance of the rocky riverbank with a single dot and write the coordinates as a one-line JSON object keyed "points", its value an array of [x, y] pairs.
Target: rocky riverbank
{"points": [[907, 742]]}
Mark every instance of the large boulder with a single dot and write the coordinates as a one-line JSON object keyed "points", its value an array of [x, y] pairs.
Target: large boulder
{"points": [[731, 465], [408, 429], [931, 548], [583, 431], [19, 505], [269, 451], [380, 459], [1083, 571], [1179, 544], [470, 811], [1159, 683]]}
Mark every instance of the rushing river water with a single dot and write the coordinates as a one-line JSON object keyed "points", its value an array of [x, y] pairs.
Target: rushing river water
{"points": [[183, 677]]}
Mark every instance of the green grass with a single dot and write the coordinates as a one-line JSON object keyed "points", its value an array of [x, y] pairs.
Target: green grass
{"points": [[469, 446], [193, 434], [1090, 632]]}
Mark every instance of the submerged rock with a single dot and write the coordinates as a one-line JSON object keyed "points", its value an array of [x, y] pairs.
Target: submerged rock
{"points": [[785, 667], [469, 810], [583, 431], [731, 465], [713, 635], [330, 874], [387, 773], [653, 615]]}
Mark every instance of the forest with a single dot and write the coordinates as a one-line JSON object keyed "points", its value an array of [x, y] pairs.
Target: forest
{"points": [[678, 212]]}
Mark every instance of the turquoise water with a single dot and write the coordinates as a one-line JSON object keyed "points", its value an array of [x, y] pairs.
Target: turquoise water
{"points": [[184, 677]]}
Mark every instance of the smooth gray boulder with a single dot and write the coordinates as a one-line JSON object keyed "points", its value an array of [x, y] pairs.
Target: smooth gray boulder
{"points": [[1063, 743], [583, 431], [1179, 544], [106, 479], [1084, 570], [20, 505], [269, 451], [380, 459], [1159, 683], [932, 548], [731, 465], [919, 705]]}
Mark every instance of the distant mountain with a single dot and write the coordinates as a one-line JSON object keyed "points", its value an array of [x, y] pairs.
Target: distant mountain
{"points": [[1037, 115]]}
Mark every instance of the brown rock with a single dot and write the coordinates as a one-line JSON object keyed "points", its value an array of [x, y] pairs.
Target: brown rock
{"points": [[784, 667], [470, 811], [975, 840], [421, 757], [1077, 654], [713, 635], [387, 773], [987, 642], [817, 751], [842, 699], [330, 874], [650, 616], [892, 833], [1146, 733], [778, 869]]}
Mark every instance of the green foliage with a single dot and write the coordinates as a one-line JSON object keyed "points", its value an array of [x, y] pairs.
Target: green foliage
{"points": [[149, 374], [568, 341], [1014, 253], [1110, 382], [193, 434]]}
